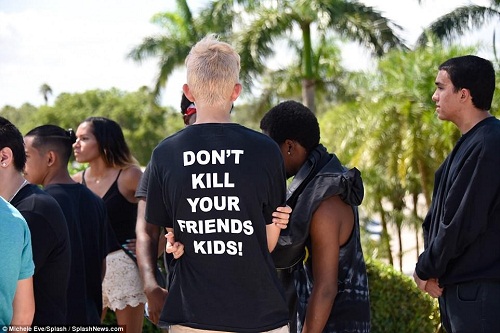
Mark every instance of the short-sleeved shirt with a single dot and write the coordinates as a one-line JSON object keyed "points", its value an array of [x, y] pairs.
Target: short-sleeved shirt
{"points": [[217, 185], [51, 253], [88, 225], [17, 260]]}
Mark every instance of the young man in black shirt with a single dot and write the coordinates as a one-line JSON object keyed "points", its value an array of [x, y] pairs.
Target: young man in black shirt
{"points": [[461, 260], [48, 228]]}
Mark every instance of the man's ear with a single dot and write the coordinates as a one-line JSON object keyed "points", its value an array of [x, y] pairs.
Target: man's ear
{"points": [[290, 146], [51, 158], [5, 156], [464, 94], [236, 91], [187, 92]]}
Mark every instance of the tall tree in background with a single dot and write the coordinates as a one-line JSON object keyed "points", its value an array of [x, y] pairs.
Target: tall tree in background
{"points": [[460, 20], [45, 90], [181, 31], [392, 134], [255, 26], [312, 20], [171, 47]]}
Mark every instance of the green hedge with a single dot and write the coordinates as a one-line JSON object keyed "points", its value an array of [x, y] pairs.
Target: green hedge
{"points": [[397, 305]]}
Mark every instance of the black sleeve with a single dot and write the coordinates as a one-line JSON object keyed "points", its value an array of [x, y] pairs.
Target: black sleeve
{"points": [[142, 189]]}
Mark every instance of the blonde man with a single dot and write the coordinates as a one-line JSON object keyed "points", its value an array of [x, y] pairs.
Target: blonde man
{"points": [[215, 185]]}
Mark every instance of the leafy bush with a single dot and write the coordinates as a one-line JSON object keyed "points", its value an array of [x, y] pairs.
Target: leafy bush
{"points": [[397, 305]]}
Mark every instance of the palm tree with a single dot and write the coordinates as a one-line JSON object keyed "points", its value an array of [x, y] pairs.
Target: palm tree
{"points": [[254, 26], [460, 20], [312, 20], [394, 136], [182, 31], [45, 90], [172, 47]]}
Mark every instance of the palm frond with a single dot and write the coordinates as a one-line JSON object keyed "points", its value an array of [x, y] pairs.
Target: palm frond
{"points": [[454, 24]]}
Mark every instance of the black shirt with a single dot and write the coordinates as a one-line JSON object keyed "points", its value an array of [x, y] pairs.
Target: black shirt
{"points": [[88, 225], [51, 253]]}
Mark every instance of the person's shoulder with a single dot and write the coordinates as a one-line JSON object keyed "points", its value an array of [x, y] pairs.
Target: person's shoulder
{"points": [[43, 203], [10, 214], [172, 139], [257, 137], [77, 177], [489, 133]]}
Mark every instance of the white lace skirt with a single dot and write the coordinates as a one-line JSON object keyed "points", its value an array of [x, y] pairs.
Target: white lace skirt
{"points": [[122, 283]]}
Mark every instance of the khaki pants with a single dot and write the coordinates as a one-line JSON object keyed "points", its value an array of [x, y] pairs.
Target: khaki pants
{"points": [[185, 329]]}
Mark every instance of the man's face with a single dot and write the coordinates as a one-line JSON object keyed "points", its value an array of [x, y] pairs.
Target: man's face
{"points": [[446, 98], [36, 167]]}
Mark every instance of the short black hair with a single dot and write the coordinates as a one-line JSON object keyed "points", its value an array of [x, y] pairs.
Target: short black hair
{"points": [[294, 121], [185, 103], [52, 137], [475, 74], [10, 137]]}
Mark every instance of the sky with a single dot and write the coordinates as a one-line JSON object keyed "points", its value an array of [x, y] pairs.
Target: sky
{"points": [[75, 46]]}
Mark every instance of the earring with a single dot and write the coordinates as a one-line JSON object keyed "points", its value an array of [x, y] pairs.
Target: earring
{"points": [[289, 153], [4, 164]]}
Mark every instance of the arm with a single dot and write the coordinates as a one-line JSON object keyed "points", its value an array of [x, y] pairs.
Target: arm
{"points": [[280, 221], [272, 233], [147, 253], [23, 304], [331, 227], [129, 181]]}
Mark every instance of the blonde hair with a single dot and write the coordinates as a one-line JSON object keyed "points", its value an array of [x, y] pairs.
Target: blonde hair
{"points": [[213, 69]]}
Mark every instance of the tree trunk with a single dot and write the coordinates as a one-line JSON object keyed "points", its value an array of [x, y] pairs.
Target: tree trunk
{"points": [[417, 225], [308, 81], [308, 91], [386, 239], [400, 242], [424, 182]]}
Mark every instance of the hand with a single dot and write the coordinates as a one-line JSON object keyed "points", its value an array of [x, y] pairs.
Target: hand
{"points": [[433, 289], [156, 299], [130, 246], [420, 283], [281, 216], [176, 248]]}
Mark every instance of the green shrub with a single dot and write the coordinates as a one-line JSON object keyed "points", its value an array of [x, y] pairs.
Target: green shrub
{"points": [[397, 305]]}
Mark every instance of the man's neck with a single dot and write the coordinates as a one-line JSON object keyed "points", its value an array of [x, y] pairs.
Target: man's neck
{"points": [[477, 116], [10, 185]]}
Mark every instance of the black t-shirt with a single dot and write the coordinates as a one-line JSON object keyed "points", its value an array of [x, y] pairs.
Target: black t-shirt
{"points": [[217, 186], [88, 227], [51, 253]]}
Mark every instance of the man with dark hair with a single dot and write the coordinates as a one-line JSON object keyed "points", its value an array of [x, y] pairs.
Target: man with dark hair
{"points": [[461, 260], [323, 234], [48, 149], [48, 228]]}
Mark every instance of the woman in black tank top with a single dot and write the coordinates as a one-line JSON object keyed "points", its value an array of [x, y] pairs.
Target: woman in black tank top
{"points": [[113, 174]]}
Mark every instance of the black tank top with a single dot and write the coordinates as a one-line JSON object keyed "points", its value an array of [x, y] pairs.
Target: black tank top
{"points": [[122, 213]]}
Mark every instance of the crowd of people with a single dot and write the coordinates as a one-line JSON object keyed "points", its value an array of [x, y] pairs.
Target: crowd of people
{"points": [[242, 252]]}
